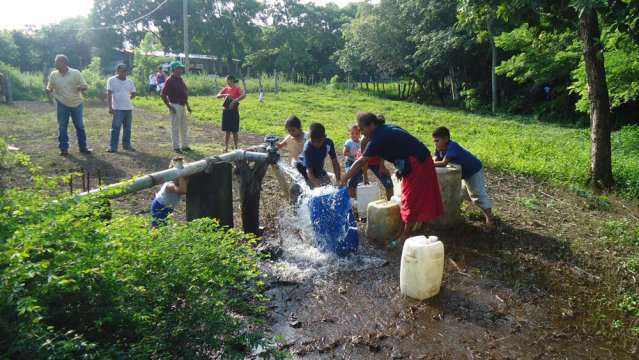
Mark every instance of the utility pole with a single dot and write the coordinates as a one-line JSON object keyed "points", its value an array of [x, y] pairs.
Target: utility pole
{"points": [[185, 20]]}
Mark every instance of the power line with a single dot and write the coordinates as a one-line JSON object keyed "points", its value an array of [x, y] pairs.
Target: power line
{"points": [[123, 24]]}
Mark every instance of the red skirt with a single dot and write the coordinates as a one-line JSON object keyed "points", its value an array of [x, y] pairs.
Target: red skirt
{"points": [[421, 198]]}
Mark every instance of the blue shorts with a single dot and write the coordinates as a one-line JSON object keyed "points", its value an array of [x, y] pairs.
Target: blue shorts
{"points": [[385, 179], [159, 213]]}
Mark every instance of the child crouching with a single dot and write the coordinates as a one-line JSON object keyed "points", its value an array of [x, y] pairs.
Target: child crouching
{"points": [[168, 198]]}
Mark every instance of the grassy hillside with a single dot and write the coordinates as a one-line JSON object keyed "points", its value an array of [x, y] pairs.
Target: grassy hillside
{"points": [[514, 144]]}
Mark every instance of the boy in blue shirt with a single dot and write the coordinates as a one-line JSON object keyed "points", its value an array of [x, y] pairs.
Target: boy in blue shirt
{"points": [[311, 162], [448, 151]]}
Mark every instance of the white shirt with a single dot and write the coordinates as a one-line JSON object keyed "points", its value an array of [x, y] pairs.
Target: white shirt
{"points": [[153, 80], [122, 89], [168, 199]]}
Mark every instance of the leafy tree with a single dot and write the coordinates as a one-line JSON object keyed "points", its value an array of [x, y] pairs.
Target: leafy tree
{"points": [[482, 17], [145, 61], [10, 53]]}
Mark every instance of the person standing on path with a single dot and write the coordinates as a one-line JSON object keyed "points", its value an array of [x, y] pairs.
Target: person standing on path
{"points": [[67, 85], [160, 78], [232, 95], [176, 97], [153, 83], [120, 91]]}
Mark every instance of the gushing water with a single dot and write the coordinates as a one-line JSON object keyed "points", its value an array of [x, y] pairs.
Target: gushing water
{"points": [[301, 259]]}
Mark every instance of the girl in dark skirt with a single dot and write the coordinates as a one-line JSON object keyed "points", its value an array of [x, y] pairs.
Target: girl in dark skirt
{"points": [[232, 95], [421, 198]]}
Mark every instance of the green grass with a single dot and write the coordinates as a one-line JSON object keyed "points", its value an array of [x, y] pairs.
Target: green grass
{"points": [[513, 144]]}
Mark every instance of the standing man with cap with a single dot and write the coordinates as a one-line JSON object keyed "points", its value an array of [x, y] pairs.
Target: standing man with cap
{"points": [[120, 91], [176, 97], [67, 85]]}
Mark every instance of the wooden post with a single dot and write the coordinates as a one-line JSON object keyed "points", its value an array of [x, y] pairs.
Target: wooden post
{"points": [[211, 194], [399, 90], [250, 181], [368, 92], [45, 74], [215, 80], [8, 89]]}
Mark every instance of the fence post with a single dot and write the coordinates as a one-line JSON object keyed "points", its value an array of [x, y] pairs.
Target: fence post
{"points": [[8, 89], [215, 81]]}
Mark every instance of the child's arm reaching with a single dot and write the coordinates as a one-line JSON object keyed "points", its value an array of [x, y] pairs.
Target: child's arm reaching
{"points": [[179, 188], [336, 169], [442, 163]]}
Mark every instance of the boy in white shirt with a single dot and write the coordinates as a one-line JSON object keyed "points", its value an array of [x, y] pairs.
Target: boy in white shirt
{"points": [[120, 91]]}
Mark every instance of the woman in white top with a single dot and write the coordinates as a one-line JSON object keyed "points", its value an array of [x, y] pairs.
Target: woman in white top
{"points": [[168, 198]]}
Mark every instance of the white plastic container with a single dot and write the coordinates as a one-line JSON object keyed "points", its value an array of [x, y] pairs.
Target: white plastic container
{"points": [[383, 220], [365, 195], [422, 267], [449, 179]]}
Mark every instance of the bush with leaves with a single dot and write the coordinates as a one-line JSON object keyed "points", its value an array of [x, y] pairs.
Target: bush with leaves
{"points": [[25, 85], [78, 283]]}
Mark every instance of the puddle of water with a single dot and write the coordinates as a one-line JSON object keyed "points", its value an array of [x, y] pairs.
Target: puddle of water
{"points": [[301, 260]]}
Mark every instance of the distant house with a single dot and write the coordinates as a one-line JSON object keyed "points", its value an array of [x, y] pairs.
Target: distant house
{"points": [[198, 63]]}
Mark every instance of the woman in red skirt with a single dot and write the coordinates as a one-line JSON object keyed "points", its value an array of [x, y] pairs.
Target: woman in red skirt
{"points": [[421, 198]]}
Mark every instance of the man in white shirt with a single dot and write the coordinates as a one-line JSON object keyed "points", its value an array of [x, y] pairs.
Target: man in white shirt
{"points": [[120, 91]]}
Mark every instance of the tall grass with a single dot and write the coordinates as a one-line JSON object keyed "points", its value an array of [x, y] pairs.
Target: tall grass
{"points": [[25, 85], [518, 145]]}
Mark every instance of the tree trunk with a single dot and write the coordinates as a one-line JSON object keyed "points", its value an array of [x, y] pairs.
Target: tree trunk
{"points": [[493, 76], [453, 83], [599, 105]]}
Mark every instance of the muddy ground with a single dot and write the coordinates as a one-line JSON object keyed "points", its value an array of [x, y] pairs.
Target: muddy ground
{"points": [[530, 289]]}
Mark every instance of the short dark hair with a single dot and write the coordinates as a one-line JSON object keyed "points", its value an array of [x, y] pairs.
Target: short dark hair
{"points": [[317, 131], [350, 128], [367, 118], [441, 132], [232, 78], [293, 121]]}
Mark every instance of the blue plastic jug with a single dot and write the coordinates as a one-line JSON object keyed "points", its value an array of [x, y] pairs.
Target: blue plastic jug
{"points": [[333, 222]]}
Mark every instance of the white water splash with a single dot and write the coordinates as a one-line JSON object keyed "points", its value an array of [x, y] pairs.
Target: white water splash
{"points": [[301, 259]]}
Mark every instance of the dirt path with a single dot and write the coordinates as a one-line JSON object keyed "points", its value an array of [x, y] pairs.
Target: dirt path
{"points": [[530, 289]]}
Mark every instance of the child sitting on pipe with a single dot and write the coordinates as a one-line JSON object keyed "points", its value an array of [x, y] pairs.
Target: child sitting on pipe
{"points": [[169, 196], [473, 182], [311, 162]]}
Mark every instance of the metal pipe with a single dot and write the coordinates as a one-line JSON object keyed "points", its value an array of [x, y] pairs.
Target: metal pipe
{"points": [[160, 177]]}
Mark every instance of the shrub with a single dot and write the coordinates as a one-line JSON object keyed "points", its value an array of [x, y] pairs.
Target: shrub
{"points": [[97, 82], [76, 283], [26, 85]]}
